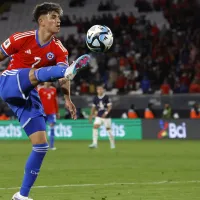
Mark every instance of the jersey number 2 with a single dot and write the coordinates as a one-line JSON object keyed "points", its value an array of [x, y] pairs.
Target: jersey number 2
{"points": [[37, 60]]}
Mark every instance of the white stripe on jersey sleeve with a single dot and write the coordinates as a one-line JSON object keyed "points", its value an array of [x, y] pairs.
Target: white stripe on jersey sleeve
{"points": [[23, 36], [61, 46], [15, 36]]}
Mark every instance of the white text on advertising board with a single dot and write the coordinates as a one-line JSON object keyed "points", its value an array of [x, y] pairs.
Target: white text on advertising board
{"points": [[117, 130], [62, 131], [10, 131], [177, 131]]}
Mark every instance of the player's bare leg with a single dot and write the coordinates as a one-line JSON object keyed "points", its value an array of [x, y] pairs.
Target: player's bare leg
{"points": [[111, 138], [38, 137], [94, 136]]}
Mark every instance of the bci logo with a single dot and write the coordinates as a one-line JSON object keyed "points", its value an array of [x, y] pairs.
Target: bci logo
{"points": [[172, 130]]}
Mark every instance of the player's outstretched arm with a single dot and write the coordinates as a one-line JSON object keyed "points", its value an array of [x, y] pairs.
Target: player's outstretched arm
{"points": [[2, 56], [65, 86]]}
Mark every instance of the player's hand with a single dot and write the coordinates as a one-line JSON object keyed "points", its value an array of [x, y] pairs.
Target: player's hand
{"points": [[72, 109], [105, 114]]}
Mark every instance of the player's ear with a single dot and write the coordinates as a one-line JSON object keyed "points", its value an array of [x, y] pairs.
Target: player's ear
{"points": [[41, 20]]}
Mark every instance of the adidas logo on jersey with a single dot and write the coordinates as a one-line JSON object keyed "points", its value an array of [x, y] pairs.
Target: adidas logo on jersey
{"points": [[28, 51]]}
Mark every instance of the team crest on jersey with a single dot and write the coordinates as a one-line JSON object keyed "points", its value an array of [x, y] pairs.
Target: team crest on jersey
{"points": [[50, 56]]}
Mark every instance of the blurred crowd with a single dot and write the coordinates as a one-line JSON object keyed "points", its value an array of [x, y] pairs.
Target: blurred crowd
{"points": [[144, 58]]}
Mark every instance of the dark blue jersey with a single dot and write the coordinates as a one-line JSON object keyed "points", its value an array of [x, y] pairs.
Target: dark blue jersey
{"points": [[101, 104]]}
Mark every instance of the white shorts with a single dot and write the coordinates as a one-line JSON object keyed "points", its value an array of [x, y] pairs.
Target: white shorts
{"points": [[103, 121]]}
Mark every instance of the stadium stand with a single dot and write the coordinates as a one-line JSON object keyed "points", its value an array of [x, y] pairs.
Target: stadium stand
{"points": [[155, 46]]}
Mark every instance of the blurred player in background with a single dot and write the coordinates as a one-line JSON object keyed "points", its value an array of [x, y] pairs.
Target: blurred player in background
{"points": [[35, 57], [48, 96], [101, 110]]}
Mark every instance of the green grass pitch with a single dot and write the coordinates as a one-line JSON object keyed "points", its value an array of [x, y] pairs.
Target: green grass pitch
{"points": [[135, 170]]}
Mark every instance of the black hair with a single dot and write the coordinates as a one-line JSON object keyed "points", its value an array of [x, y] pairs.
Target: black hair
{"points": [[100, 85], [45, 8]]}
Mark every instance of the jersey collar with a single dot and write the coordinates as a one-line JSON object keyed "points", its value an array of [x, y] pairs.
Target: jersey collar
{"points": [[38, 42], [101, 97]]}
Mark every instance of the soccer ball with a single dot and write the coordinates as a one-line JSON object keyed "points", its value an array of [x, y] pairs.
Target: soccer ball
{"points": [[99, 38]]}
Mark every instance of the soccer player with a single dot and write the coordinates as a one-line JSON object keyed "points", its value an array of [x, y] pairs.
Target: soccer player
{"points": [[102, 107], [35, 57], [48, 96]]}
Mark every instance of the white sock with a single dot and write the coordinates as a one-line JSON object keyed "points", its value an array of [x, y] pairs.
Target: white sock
{"points": [[95, 136], [111, 137]]}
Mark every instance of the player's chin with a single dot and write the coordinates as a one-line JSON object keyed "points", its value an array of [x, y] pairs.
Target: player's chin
{"points": [[56, 30]]}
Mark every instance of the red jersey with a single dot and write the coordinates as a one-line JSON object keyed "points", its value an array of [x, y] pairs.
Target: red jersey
{"points": [[26, 52], [48, 97]]}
